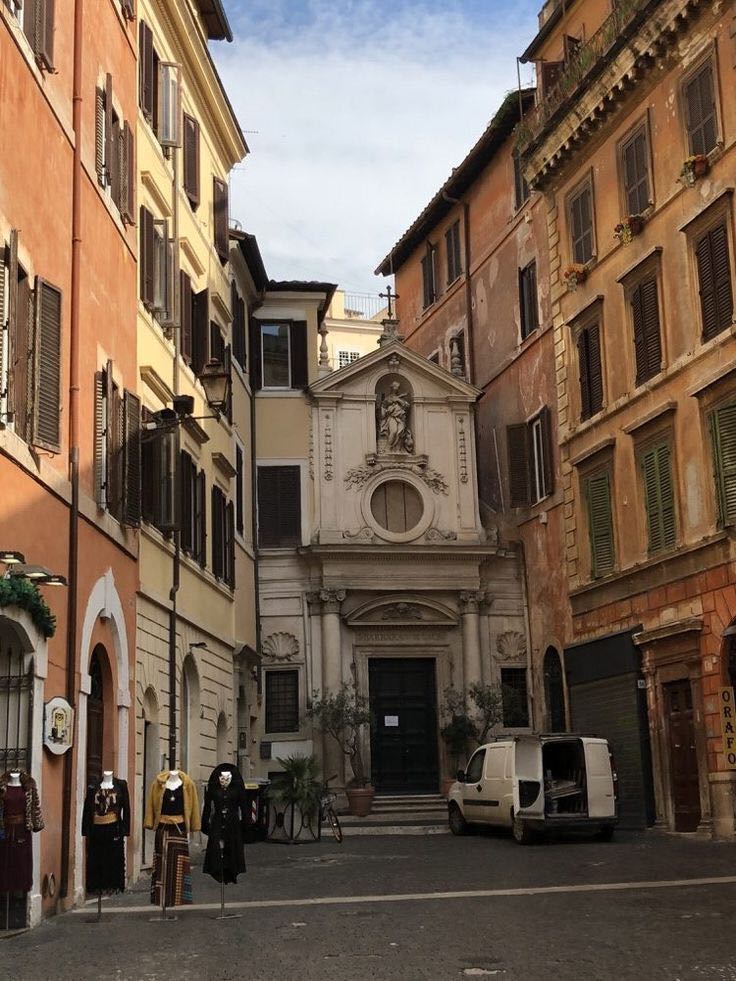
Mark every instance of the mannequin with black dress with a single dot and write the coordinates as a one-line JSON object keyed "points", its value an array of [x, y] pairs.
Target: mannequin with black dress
{"points": [[106, 825], [223, 821]]}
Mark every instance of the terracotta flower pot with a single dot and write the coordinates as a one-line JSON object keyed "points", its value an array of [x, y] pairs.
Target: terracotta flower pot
{"points": [[636, 223], [700, 166], [360, 800]]}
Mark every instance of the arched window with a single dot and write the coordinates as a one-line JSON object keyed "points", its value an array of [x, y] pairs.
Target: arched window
{"points": [[554, 690], [15, 705]]}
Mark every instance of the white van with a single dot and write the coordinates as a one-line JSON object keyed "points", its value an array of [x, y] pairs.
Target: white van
{"points": [[537, 783]]}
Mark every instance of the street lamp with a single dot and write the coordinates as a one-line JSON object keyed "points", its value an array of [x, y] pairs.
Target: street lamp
{"points": [[216, 384], [37, 574], [10, 557]]}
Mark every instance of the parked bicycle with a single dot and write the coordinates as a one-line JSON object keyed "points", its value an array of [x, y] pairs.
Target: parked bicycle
{"points": [[327, 811]]}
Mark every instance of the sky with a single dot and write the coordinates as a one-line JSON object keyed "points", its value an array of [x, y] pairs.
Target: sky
{"points": [[355, 113]]}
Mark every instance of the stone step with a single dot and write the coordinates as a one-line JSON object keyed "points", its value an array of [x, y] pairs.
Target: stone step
{"points": [[401, 817]]}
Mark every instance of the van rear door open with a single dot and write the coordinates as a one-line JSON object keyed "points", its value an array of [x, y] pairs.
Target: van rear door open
{"points": [[601, 801], [528, 783]]}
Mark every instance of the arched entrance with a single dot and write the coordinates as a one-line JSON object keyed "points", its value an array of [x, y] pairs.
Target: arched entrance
{"points": [[554, 691], [95, 717]]}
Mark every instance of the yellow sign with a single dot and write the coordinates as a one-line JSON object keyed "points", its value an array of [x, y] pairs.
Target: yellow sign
{"points": [[727, 712]]}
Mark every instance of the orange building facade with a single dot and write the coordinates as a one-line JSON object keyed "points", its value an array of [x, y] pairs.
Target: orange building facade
{"points": [[631, 148], [69, 418]]}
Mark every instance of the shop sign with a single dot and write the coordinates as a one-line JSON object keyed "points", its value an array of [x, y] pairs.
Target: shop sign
{"points": [[58, 726], [391, 721], [727, 712]]}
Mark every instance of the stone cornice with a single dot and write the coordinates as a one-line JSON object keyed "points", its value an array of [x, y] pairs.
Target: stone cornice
{"points": [[397, 553]]}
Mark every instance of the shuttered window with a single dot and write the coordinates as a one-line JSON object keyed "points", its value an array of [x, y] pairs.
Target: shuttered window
{"points": [[147, 89], [239, 489], [158, 477], [591, 372], [46, 347], [521, 188], [452, 246], [186, 312], [279, 507], [634, 156], [515, 700], [528, 302], [714, 281], [223, 538], [647, 340], [131, 504], [220, 216], [581, 224], [145, 256], [187, 497], [118, 453], [530, 460], [429, 279], [191, 159], [38, 26], [114, 152], [200, 330], [659, 497], [238, 326], [200, 519], [282, 701], [723, 437], [700, 111], [600, 523]]}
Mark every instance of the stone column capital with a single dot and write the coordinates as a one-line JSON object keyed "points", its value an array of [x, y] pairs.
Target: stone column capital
{"points": [[314, 602], [470, 600], [332, 599]]}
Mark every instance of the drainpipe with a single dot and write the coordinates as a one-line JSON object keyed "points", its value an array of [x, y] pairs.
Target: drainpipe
{"points": [[176, 560], [74, 345], [527, 626], [254, 515]]}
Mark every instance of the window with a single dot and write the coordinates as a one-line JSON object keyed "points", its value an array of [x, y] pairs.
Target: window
{"points": [[429, 278], [36, 18], [452, 244], [159, 90], [238, 326], [397, 506], [580, 221], [521, 188], [279, 355], [192, 513], [551, 72], [158, 477], [700, 111], [114, 152], [282, 701], [279, 507], [474, 772], [156, 261], [714, 280], [345, 358], [30, 352], [239, 489], [723, 439], [117, 456], [528, 299], [191, 159], [514, 698], [600, 522], [591, 373], [645, 319], [457, 355], [223, 538], [16, 681], [635, 172], [659, 497], [530, 460], [220, 218]]}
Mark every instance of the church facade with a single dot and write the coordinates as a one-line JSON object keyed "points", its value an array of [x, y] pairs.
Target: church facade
{"points": [[374, 568]]}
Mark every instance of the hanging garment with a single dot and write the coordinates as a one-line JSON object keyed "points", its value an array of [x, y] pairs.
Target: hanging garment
{"points": [[105, 825], [20, 815], [172, 871], [223, 821], [190, 801]]}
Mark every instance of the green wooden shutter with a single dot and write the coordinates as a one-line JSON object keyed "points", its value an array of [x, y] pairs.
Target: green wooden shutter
{"points": [[714, 281], [46, 394], [600, 523], [131, 510], [706, 284], [659, 498], [723, 432], [595, 368], [517, 442], [584, 371]]}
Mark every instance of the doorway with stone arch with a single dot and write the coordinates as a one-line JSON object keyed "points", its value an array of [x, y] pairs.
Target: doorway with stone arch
{"points": [[100, 750], [554, 691]]}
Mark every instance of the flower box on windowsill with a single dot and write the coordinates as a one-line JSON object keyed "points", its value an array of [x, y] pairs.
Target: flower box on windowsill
{"points": [[574, 274], [693, 169], [628, 228]]}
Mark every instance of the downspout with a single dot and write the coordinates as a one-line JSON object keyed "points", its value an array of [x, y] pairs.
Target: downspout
{"points": [[528, 630], [74, 347], [176, 561], [254, 512]]}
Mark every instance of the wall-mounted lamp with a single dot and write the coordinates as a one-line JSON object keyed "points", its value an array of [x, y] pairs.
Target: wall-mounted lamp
{"points": [[11, 557], [37, 574], [199, 644], [216, 384]]}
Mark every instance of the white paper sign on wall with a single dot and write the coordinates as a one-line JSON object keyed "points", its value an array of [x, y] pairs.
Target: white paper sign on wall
{"points": [[391, 721]]}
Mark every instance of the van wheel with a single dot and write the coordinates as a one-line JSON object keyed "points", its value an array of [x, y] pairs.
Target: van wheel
{"points": [[458, 824], [605, 834], [523, 834]]}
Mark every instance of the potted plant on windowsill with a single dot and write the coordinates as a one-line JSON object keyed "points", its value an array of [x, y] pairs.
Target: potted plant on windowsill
{"points": [[573, 275], [342, 715], [693, 168], [628, 228]]}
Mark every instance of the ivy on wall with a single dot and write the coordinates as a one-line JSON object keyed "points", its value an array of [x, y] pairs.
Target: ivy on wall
{"points": [[22, 593]]}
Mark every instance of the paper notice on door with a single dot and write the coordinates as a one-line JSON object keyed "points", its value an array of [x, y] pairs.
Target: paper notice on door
{"points": [[391, 721]]}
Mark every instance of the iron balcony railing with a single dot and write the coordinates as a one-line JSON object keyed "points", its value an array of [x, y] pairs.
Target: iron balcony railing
{"points": [[363, 306], [581, 67]]}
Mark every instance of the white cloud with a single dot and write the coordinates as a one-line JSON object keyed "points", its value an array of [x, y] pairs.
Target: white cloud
{"points": [[359, 118]]}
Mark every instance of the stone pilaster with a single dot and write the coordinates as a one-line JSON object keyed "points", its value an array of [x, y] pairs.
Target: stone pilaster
{"points": [[470, 601]]}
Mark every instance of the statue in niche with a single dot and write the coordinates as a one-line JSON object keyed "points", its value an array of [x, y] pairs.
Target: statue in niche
{"points": [[394, 420]]}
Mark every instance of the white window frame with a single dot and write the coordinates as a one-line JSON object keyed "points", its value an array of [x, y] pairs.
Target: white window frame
{"points": [[264, 386], [351, 356], [169, 103]]}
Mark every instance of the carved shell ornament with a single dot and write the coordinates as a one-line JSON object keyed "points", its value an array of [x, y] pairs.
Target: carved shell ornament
{"points": [[280, 646], [511, 646]]}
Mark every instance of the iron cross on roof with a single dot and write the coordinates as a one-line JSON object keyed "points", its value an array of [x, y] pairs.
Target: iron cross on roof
{"points": [[389, 296]]}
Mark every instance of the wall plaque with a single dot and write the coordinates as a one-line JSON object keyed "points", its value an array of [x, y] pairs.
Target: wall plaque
{"points": [[58, 726]]}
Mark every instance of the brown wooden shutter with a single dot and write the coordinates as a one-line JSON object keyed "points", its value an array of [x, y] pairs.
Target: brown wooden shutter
{"points": [[4, 347], [230, 545], [187, 471], [200, 518], [127, 202], [185, 299], [110, 440], [228, 365], [299, 354], [714, 281], [279, 507], [217, 533], [636, 173], [584, 366], [650, 315], [145, 257], [47, 372], [551, 71], [595, 368], [43, 40], [547, 450], [191, 159], [128, 9], [115, 163], [21, 376], [256, 368], [700, 111], [145, 53], [217, 342], [517, 440], [239, 489], [200, 330], [12, 314], [600, 524], [109, 134], [131, 511], [100, 135], [220, 211]]}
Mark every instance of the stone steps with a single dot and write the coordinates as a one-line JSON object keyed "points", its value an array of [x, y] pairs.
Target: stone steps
{"points": [[394, 814]]}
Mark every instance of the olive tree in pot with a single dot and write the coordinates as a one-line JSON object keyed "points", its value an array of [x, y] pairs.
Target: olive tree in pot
{"points": [[468, 725], [342, 715]]}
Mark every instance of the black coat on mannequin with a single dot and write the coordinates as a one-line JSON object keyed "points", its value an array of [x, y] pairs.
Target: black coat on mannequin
{"points": [[223, 820]]}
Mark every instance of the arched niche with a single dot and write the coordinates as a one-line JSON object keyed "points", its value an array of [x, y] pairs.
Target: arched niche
{"points": [[222, 739], [394, 414], [554, 691], [189, 717]]}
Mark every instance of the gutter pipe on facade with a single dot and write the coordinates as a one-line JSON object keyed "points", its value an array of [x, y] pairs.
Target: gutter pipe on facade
{"points": [[74, 346], [176, 560], [254, 510], [530, 687]]}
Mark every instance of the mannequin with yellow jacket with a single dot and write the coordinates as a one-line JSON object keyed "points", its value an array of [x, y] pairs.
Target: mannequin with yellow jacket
{"points": [[172, 811]]}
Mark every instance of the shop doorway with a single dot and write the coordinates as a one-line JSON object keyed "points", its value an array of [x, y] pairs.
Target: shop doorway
{"points": [[403, 700], [683, 756], [95, 718]]}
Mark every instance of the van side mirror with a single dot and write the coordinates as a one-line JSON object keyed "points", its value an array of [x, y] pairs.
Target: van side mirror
{"points": [[460, 776]]}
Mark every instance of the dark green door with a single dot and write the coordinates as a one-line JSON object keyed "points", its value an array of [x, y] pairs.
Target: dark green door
{"points": [[404, 735]]}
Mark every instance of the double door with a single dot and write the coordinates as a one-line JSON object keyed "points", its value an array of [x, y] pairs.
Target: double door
{"points": [[683, 755]]}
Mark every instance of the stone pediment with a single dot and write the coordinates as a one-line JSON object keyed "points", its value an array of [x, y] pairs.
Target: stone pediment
{"points": [[360, 377], [415, 611]]}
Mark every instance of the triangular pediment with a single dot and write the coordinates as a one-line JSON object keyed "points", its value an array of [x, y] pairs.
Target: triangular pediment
{"points": [[361, 375]]}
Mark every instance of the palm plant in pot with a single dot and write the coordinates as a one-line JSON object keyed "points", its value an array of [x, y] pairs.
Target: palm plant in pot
{"points": [[342, 715], [295, 797]]}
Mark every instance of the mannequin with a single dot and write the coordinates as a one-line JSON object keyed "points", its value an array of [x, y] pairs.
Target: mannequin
{"points": [[20, 815], [223, 821], [172, 811], [106, 825]]}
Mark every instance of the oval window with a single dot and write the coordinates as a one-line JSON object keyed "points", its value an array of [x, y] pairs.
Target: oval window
{"points": [[397, 506]]}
